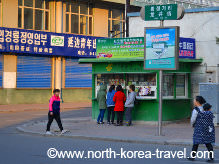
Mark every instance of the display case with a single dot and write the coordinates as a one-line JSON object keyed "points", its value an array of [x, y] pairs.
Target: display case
{"points": [[108, 80], [145, 84]]}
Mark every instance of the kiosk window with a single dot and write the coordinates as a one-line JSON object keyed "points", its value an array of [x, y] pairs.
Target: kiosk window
{"points": [[180, 85], [145, 85], [110, 79], [168, 86]]}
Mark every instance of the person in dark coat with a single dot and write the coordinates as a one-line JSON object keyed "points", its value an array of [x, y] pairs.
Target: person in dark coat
{"points": [[110, 105], [204, 131], [101, 99], [119, 99]]}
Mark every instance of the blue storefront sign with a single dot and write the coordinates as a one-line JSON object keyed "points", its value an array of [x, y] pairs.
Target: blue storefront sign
{"points": [[46, 43], [161, 48], [187, 48]]}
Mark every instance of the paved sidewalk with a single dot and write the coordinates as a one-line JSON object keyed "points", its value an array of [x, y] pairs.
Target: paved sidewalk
{"points": [[38, 107], [174, 134]]}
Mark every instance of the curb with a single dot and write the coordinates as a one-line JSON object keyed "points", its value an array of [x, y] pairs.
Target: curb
{"points": [[114, 139]]}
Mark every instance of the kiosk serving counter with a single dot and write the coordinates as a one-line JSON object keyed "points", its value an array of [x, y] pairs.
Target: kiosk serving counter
{"points": [[127, 71]]}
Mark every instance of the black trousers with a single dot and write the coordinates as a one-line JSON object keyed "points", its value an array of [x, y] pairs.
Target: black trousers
{"points": [[208, 146], [110, 110], [119, 117], [50, 120]]}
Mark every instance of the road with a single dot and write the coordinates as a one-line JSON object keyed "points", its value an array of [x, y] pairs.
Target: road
{"points": [[16, 147]]}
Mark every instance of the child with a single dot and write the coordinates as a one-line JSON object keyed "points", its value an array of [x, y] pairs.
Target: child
{"points": [[54, 112], [101, 98], [110, 104], [204, 131], [129, 104], [119, 99]]}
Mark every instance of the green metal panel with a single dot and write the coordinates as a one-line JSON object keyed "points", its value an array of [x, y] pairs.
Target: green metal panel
{"points": [[132, 67], [147, 110]]}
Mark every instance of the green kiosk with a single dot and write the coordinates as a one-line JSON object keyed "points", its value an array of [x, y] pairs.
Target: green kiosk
{"points": [[113, 66]]}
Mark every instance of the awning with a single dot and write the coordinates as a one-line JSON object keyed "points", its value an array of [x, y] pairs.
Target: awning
{"points": [[125, 60]]}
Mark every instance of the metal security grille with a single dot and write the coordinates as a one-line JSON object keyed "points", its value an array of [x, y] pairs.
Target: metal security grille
{"points": [[34, 72], [77, 75], [1, 69]]}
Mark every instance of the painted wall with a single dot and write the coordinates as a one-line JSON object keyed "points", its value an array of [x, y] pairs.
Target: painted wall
{"points": [[203, 26], [42, 96], [77, 95]]}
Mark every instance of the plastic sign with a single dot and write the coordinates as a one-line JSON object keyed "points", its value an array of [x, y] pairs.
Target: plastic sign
{"points": [[161, 48], [120, 48], [187, 48], [47, 43], [162, 12]]}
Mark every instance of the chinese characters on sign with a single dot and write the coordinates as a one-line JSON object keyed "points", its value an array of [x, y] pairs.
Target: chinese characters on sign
{"points": [[161, 12], [120, 47], [46, 43], [134, 47], [187, 48], [161, 48]]}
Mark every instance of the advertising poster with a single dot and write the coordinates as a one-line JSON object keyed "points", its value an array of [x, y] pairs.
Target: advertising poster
{"points": [[161, 48], [120, 48]]}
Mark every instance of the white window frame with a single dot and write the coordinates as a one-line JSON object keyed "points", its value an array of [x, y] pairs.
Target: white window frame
{"points": [[169, 97], [70, 13], [34, 9], [186, 85]]}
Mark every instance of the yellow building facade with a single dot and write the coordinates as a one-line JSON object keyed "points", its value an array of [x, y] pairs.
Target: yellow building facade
{"points": [[89, 18]]}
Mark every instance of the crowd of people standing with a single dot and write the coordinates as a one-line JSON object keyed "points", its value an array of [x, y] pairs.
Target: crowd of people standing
{"points": [[116, 102]]}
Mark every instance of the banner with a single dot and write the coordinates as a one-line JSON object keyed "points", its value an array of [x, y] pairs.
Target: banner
{"points": [[46, 43], [161, 48], [134, 47], [120, 47], [187, 48]]}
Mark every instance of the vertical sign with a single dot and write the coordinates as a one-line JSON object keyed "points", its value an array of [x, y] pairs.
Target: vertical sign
{"points": [[161, 48]]}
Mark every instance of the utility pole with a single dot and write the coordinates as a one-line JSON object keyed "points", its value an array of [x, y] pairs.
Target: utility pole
{"points": [[127, 10]]}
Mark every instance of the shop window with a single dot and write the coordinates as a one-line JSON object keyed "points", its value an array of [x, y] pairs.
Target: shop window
{"points": [[79, 17], [145, 84], [175, 86], [116, 23], [109, 79], [33, 14], [34, 72], [168, 86], [1, 69], [181, 82], [77, 75]]}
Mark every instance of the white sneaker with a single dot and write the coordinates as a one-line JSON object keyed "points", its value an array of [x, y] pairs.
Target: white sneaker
{"points": [[48, 133], [64, 131]]}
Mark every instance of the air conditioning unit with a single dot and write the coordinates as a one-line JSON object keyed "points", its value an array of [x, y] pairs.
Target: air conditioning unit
{"points": [[210, 91]]}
